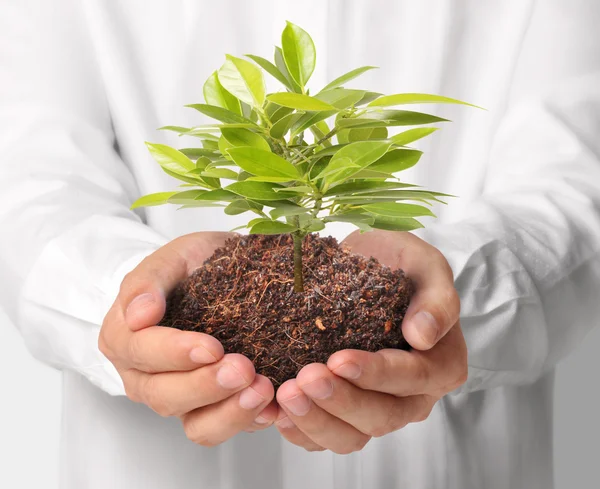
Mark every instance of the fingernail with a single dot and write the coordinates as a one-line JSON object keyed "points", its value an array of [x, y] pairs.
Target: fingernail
{"points": [[140, 302], [250, 399], [318, 389], [426, 327], [348, 371], [298, 405], [261, 420], [285, 423], [228, 377], [201, 355]]}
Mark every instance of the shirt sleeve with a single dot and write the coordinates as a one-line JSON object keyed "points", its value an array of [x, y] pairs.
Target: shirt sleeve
{"points": [[68, 236], [526, 258]]}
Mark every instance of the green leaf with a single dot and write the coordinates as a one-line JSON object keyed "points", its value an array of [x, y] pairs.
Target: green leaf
{"points": [[389, 118], [210, 145], [262, 178], [196, 153], [362, 134], [351, 75], [178, 129], [283, 125], [341, 98], [215, 94], [218, 194], [241, 205], [220, 114], [395, 209], [280, 63], [158, 198], [244, 137], [299, 101], [270, 68], [220, 173], [309, 119], [263, 163], [299, 53], [190, 179], [369, 97], [170, 159], [219, 163], [407, 137], [199, 203], [396, 223], [288, 209], [186, 196], [368, 174], [244, 80], [393, 195], [360, 186], [255, 190], [276, 112], [342, 136], [272, 227], [314, 225], [329, 151], [397, 160], [302, 189], [416, 98], [352, 158]]}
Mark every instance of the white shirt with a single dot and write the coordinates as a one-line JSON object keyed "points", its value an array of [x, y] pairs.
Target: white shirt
{"points": [[85, 82]]}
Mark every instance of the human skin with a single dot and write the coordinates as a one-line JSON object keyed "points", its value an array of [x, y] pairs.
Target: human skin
{"points": [[338, 406], [359, 395], [181, 373]]}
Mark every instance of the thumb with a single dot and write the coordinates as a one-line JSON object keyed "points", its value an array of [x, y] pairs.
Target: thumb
{"points": [[143, 292]]}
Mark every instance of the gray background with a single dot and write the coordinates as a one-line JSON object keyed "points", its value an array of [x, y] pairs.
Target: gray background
{"points": [[31, 397]]}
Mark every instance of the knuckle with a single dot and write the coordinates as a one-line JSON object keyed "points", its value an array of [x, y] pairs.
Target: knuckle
{"points": [[354, 446], [461, 377], [422, 374], [452, 305], [155, 399], [377, 431], [390, 422], [132, 393], [131, 390], [195, 434], [423, 413], [134, 350], [314, 448], [103, 345]]}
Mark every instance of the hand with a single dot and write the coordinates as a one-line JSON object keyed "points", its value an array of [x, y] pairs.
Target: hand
{"points": [[359, 395], [181, 373]]}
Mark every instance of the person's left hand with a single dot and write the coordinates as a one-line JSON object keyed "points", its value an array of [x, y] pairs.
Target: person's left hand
{"points": [[359, 395]]}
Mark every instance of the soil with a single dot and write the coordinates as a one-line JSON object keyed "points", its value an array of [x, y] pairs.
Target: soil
{"points": [[243, 296]]}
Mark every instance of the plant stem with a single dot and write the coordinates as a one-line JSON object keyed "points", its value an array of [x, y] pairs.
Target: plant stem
{"points": [[298, 275], [298, 237], [327, 136]]}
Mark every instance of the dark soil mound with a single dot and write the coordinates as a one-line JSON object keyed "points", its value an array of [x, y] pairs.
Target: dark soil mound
{"points": [[243, 296]]}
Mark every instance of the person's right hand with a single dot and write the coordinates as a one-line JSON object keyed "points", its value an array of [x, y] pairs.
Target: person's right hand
{"points": [[182, 373]]}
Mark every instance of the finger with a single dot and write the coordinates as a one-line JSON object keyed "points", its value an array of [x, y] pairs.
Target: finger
{"points": [[143, 291], [176, 393], [265, 418], [160, 349], [405, 373], [318, 425], [292, 433], [372, 413], [214, 424], [435, 307]]}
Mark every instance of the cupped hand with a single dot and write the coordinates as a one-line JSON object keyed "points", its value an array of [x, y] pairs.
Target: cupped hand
{"points": [[359, 395], [181, 373]]}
